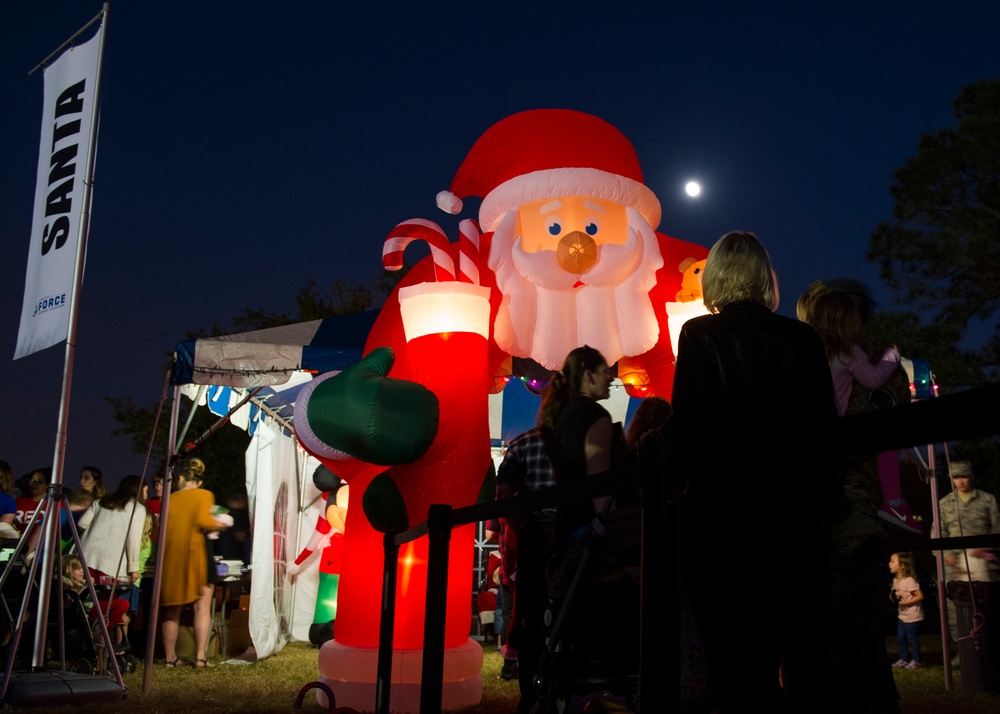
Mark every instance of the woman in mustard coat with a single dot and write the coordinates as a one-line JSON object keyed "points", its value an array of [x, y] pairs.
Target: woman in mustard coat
{"points": [[185, 563]]}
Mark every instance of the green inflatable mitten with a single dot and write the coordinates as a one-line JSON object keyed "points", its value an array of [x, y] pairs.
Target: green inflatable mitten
{"points": [[384, 506], [372, 417]]}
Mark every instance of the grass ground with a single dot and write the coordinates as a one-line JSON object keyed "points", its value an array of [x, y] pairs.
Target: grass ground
{"points": [[922, 691], [273, 684]]}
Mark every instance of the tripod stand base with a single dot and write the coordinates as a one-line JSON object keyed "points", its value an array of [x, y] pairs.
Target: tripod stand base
{"points": [[55, 688]]}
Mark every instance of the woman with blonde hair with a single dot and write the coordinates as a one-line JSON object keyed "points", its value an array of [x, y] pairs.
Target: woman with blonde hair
{"points": [[92, 481], [186, 563], [752, 393]]}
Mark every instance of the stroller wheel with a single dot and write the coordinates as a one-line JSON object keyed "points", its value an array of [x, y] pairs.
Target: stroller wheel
{"points": [[127, 663], [82, 666]]}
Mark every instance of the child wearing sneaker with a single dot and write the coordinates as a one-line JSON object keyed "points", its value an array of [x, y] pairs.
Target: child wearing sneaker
{"points": [[837, 317], [905, 592]]}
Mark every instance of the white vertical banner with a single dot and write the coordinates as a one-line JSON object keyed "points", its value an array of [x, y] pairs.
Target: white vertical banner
{"points": [[67, 118]]}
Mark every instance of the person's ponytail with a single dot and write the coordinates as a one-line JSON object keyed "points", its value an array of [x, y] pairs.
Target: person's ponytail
{"points": [[554, 396], [567, 383]]}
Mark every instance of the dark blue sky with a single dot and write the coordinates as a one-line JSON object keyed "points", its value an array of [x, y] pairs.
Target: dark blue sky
{"points": [[248, 147]]}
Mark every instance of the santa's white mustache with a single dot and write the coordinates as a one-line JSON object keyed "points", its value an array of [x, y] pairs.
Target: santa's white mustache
{"points": [[614, 264]]}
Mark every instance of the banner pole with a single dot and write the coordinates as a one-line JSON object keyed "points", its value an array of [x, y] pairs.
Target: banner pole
{"points": [[81, 259], [50, 534], [60, 48]]}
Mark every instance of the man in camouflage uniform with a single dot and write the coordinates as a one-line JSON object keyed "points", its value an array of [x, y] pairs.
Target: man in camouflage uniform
{"points": [[967, 511]]}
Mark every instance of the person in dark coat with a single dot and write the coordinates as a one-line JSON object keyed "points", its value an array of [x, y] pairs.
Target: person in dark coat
{"points": [[752, 398]]}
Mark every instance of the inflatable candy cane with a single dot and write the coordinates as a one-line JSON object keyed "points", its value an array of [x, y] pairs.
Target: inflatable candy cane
{"points": [[419, 229], [468, 252]]}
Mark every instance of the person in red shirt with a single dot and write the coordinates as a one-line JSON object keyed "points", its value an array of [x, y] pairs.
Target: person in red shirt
{"points": [[153, 505], [27, 504]]}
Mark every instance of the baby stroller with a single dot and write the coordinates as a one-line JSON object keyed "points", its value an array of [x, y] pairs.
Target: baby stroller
{"points": [[121, 648], [592, 652], [85, 649], [81, 653], [72, 639]]}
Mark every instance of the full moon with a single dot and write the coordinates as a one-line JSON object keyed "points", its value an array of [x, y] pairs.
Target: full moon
{"points": [[692, 188]]}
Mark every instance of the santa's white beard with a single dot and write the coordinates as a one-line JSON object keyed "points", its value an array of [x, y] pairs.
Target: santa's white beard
{"points": [[542, 316]]}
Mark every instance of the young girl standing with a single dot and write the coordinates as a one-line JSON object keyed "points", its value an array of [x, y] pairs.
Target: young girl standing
{"points": [[906, 594]]}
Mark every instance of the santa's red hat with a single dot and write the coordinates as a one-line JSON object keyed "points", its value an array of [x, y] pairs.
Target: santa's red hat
{"points": [[549, 153]]}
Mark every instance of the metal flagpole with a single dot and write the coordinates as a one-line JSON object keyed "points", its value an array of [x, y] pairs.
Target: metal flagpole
{"points": [[50, 533], [37, 685]]}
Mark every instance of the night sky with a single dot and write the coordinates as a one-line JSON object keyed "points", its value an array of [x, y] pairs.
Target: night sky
{"points": [[246, 148]]}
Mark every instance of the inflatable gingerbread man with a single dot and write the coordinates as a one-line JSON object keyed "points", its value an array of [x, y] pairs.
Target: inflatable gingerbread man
{"points": [[565, 253]]}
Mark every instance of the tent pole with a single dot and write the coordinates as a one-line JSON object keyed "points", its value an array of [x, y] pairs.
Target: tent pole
{"points": [[300, 512], [277, 417], [187, 422], [218, 424], [168, 480]]}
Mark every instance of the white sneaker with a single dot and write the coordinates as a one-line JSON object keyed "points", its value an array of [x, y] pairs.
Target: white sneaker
{"points": [[899, 664]]}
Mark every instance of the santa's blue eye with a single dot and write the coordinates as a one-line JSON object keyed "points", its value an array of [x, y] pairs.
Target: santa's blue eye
{"points": [[592, 226], [553, 226]]}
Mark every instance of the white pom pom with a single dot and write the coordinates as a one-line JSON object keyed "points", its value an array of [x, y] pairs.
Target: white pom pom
{"points": [[449, 202]]}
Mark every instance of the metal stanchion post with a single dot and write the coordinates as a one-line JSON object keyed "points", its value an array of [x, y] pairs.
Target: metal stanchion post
{"points": [[432, 672], [383, 681]]}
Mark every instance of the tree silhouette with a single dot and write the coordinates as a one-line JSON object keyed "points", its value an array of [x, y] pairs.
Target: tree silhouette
{"points": [[941, 254]]}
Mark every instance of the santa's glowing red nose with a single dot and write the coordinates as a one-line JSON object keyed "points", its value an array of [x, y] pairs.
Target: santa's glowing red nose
{"points": [[577, 252]]}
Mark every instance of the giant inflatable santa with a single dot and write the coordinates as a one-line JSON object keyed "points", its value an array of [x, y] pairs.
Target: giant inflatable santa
{"points": [[565, 253]]}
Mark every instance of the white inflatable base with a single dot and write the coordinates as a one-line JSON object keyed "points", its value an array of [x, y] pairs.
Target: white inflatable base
{"points": [[351, 673]]}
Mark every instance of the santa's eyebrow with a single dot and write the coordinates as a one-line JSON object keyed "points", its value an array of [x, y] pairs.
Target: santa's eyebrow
{"points": [[594, 206], [550, 206]]}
